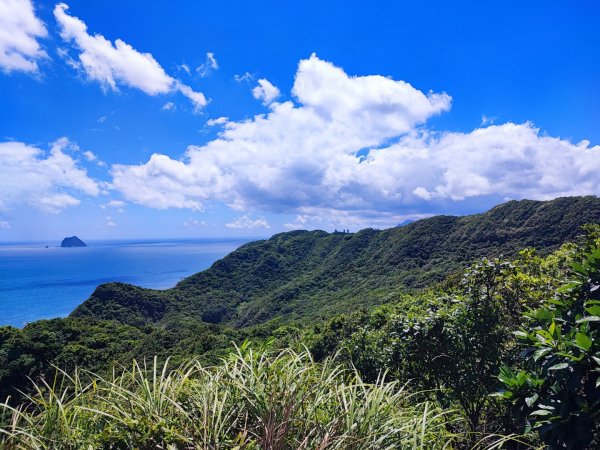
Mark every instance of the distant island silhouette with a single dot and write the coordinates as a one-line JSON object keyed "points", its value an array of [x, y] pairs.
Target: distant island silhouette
{"points": [[72, 241]]}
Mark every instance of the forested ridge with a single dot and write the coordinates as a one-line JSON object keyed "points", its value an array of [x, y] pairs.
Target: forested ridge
{"points": [[308, 274], [453, 326]]}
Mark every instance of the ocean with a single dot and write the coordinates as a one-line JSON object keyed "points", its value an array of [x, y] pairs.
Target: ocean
{"points": [[43, 283]]}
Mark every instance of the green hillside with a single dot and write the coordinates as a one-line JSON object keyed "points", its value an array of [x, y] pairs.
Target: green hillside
{"points": [[466, 351], [308, 274]]}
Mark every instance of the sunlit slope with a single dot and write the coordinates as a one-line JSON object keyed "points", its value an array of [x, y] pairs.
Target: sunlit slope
{"points": [[304, 274]]}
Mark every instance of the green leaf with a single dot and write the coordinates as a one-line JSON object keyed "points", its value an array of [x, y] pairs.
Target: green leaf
{"points": [[594, 310], [559, 366], [541, 412], [579, 268], [541, 352], [530, 401], [543, 335], [583, 341], [568, 287], [589, 319]]}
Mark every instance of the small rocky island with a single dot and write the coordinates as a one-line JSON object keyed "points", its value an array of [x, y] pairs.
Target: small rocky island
{"points": [[73, 241]]}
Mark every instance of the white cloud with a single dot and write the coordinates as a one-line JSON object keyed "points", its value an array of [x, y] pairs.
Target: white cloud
{"points": [[47, 182], [207, 66], [110, 222], [292, 156], [19, 30], [119, 64], [185, 68], [115, 204], [197, 98], [169, 106], [421, 192], [265, 91], [246, 77], [217, 121], [191, 222], [485, 120], [300, 222], [4, 225], [102, 119], [246, 222], [354, 220], [90, 156], [353, 152]]}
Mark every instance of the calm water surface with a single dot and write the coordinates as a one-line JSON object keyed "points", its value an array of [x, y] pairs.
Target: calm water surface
{"points": [[41, 283]]}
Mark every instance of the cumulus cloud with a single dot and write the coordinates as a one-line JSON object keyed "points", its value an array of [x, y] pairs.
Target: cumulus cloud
{"points": [[292, 156], [19, 31], [49, 182], [247, 223], [169, 106], [265, 91], [110, 222], [117, 64], [353, 151], [207, 66]]}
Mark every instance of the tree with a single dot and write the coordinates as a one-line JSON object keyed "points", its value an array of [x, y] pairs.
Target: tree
{"points": [[558, 391]]}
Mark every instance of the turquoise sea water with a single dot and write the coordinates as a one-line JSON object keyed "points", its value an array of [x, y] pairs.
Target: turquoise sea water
{"points": [[41, 283]]}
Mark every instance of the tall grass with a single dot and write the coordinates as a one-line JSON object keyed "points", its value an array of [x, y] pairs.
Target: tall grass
{"points": [[253, 400]]}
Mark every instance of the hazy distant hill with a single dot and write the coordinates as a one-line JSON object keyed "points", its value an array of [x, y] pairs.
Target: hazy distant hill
{"points": [[313, 273]]}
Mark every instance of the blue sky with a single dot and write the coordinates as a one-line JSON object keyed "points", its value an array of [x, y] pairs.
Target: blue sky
{"points": [[190, 119]]}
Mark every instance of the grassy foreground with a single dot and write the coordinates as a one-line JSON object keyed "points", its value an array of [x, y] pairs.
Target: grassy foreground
{"points": [[252, 400]]}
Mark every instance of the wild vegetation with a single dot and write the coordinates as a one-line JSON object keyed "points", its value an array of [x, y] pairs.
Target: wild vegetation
{"points": [[503, 353], [251, 400]]}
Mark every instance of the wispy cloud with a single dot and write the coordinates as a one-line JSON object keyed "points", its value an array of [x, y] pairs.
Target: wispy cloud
{"points": [[217, 121], [245, 222], [208, 66], [112, 65], [246, 77], [191, 223]]}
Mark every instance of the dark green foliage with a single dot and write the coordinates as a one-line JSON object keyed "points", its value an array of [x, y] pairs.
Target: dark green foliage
{"points": [[301, 274], [558, 390], [125, 303], [67, 343], [451, 344]]}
